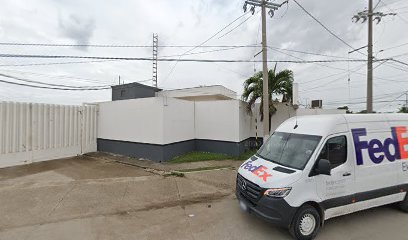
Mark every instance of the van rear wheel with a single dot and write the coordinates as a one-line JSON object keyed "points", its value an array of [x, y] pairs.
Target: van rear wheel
{"points": [[404, 204], [306, 223]]}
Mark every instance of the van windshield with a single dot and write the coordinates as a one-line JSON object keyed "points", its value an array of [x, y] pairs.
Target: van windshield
{"points": [[289, 149]]}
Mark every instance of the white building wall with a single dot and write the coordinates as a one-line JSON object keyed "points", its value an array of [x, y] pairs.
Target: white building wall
{"points": [[217, 120], [165, 120], [32, 132], [135, 120], [246, 122], [178, 120]]}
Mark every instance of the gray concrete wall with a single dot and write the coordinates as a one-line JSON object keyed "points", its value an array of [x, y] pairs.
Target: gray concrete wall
{"points": [[165, 152]]}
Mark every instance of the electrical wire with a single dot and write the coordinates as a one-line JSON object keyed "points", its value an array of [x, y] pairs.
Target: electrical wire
{"points": [[53, 88], [209, 51], [204, 42], [227, 33], [53, 63], [109, 46], [89, 80], [179, 60], [392, 10], [321, 24], [53, 85], [336, 74]]}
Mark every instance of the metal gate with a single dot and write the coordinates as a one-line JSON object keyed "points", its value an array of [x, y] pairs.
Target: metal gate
{"points": [[33, 132]]}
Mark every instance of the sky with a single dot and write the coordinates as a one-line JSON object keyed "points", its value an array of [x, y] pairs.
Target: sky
{"points": [[190, 23]]}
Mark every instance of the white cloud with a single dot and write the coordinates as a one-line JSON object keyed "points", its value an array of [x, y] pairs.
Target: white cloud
{"points": [[189, 23]]}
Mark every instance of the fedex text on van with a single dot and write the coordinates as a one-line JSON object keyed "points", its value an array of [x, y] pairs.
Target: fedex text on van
{"points": [[260, 171], [392, 148]]}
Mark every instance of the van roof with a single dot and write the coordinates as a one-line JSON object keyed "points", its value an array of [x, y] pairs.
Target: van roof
{"points": [[323, 125]]}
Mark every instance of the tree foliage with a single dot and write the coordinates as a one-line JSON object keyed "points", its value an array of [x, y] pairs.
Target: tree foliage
{"points": [[279, 83], [403, 110]]}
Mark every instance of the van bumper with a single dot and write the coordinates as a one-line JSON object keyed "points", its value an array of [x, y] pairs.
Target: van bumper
{"points": [[273, 210]]}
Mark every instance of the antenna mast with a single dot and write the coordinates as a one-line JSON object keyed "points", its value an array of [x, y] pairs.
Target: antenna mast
{"points": [[155, 52]]}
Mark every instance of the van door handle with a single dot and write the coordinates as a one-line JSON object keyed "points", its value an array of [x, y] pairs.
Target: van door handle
{"points": [[346, 174]]}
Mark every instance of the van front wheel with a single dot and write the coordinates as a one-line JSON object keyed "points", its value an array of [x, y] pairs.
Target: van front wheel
{"points": [[404, 204], [306, 223]]}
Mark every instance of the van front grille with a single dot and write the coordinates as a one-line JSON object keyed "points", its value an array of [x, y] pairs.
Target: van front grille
{"points": [[249, 190]]}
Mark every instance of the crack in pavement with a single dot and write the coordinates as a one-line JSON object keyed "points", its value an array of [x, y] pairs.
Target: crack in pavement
{"points": [[62, 199]]}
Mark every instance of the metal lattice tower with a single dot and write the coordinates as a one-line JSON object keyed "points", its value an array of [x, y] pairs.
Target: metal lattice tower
{"points": [[155, 52]]}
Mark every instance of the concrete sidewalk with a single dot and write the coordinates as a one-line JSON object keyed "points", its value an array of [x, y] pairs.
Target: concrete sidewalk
{"points": [[55, 191]]}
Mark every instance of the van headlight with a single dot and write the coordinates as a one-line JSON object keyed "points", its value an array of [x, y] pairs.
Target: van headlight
{"points": [[278, 192]]}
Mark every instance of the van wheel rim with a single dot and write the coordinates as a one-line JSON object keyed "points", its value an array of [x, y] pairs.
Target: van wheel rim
{"points": [[307, 224]]}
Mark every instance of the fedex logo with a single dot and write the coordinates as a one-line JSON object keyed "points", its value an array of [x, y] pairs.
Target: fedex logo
{"points": [[392, 148], [259, 171]]}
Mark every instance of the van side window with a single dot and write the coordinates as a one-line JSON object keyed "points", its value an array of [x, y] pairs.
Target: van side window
{"points": [[335, 150]]}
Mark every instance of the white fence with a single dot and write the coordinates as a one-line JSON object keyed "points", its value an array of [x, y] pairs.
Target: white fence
{"points": [[32, 132]]}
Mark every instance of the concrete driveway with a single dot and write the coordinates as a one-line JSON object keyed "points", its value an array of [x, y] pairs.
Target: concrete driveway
{"points": [[96, 197]]}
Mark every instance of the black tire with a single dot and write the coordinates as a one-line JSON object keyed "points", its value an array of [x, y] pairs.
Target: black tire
{"points": [[404, 204], [305, 214]]}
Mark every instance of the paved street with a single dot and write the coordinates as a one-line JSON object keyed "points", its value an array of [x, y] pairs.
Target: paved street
{"points": [[91, 198]]}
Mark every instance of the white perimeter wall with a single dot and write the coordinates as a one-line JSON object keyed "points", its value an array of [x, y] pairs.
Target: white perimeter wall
{"points": [[165, 120], [158, 120], [217, 120], [178, 120], [136, 120]]}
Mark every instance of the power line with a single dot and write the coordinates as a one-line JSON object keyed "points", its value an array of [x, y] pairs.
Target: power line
{"points": [[355, 103], [111, 46], [321, 24], [53, 88], [390, 9], [53, 63], [204, 42], [308, 53], [60, 76], [379, 97], [323, 65], [177, 60], [208, 51], [322, 85], [332, 75], [225, 34], [53, 85]]}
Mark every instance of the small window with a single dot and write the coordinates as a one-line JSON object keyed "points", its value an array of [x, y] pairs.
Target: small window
{"points": [[122, 93], [335, 150]]}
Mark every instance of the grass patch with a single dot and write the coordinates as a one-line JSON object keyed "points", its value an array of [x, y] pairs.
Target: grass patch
{"points": [[199, 156], [246, 155], [206, 156]]}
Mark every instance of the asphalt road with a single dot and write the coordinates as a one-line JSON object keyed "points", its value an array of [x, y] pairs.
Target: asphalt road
{"points": [[216, 220]]}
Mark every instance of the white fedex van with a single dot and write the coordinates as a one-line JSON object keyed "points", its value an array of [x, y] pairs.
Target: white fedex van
{"points": [[313, 168]]}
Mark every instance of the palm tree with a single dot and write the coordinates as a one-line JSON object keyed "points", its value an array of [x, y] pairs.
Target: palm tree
{"points": [[279, 83], [403, 109]]}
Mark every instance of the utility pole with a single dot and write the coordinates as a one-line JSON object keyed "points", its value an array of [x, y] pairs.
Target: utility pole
{"points": [[370, 58], [406, 99], [155, 53], [370, 16], [264, 4]]}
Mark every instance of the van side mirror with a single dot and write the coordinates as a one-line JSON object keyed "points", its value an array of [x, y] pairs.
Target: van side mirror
{"points": [[323, 167]]}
